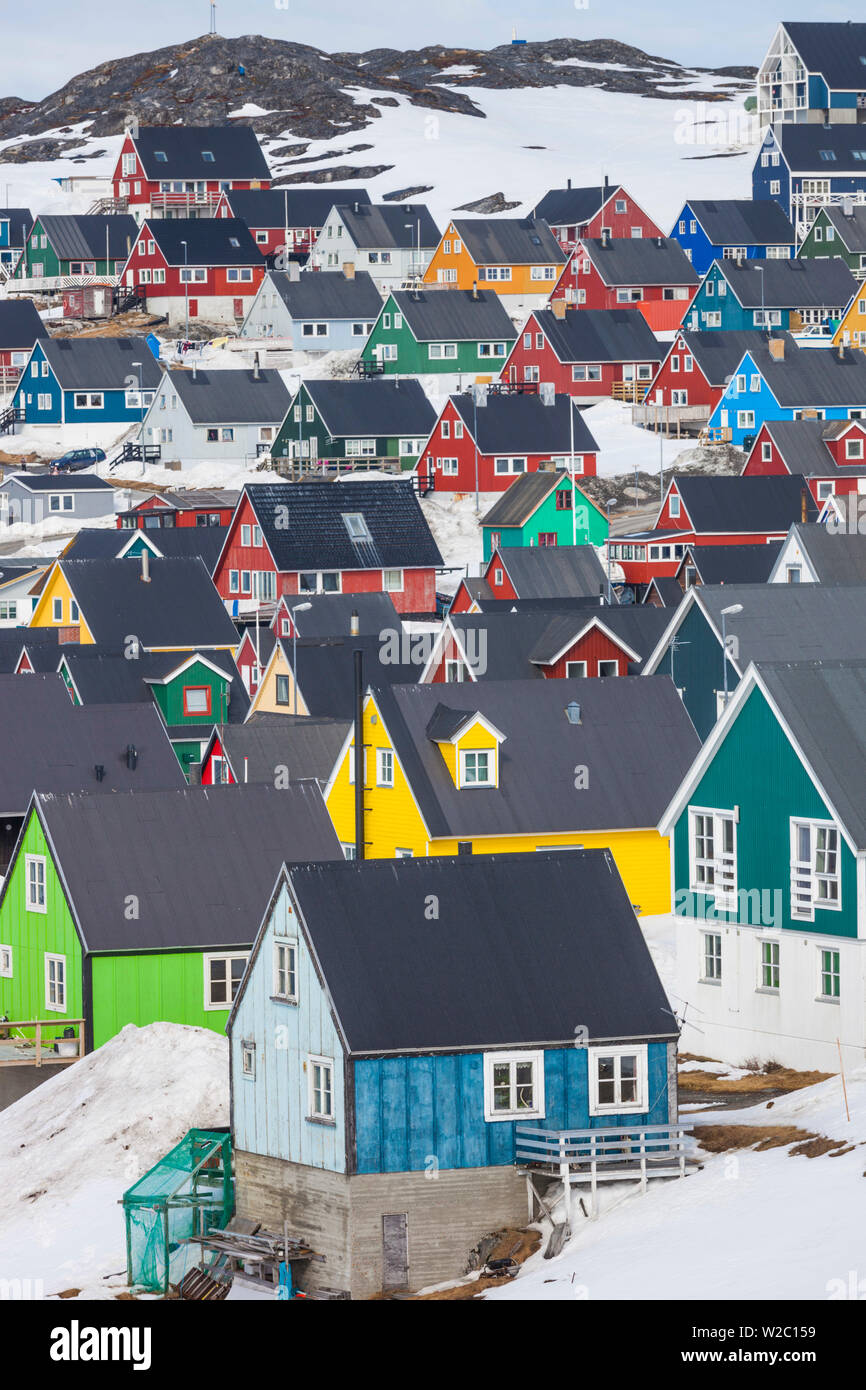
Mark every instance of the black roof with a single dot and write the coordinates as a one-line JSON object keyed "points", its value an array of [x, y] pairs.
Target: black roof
{"points": [[850, 225], [732, 564], [809, 282], [306, 745], [232, 395], [743, 222], [171, 542], [600, 335], [100, 675], [521, 498], [814, 377], [59, 482], [178, 608], [20, 324], [20, 222], [768, 502], [832, 49], [635, 735], [573, 206], [364, 408], [385, 224], [549, 604], [803, 446], [523, 424], [508, 642], [292, 207], [236, 152], [49, 744], [509, 241], [638, 628], [41, 644], [837, 557], [640, 261], [805, 147], [458, 315], [483, 978], [314, 534], [667, 589], [544, 572], [783, 621], [233, 839], [210, 241], [325, 669], [330, 615], [719, 353], [75, 237], [96, 364], [329, 294]]}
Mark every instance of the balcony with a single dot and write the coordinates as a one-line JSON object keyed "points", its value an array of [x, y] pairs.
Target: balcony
{"points": [[593, 1156]]}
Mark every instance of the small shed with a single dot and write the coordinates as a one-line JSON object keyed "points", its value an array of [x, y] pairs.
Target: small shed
{"points": [[189, 1192], [87, 302]]}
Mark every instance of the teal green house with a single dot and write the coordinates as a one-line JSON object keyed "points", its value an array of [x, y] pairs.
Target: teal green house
{"points": [[768, 856], [366, 424], [543, 508], [421, 331], [838, 231]]}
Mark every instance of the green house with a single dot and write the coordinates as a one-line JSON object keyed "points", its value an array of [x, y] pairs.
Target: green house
{"points": [[141, 907], [543, 508], [421, 331], [838, 231], [768, 848], [65, 245], [355, 423]]}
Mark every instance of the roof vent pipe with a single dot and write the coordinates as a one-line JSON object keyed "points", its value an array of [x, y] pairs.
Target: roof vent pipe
{"points": [[100, 772], [131, 757], [354, 624], [256, 370], [145, 565]]}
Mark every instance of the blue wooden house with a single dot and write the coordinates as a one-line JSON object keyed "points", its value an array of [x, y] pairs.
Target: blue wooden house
{"points": [[786, 382], [738, 295], [15, 224], [87, 381], [805, 167], [813, 72], [733, 229], [402, 1023]]}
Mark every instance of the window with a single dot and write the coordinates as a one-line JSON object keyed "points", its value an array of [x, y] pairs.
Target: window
{"points": [[57, 610], [509, 465], [586, 372], [575, 669], [608, 668], [815, 873], [828, 974], [745, 419], [55, 983], [513, 1085], [449, 466], [769, 972], [632, 296], [477, 768], [360, 448], [88, 400], [356, 526], [321, 1080], [222, 978], [286, 971], [196, 700], [392, 581], [542, 272], [438, 351], [248, 1060], [34, 868], [711, 965], [713, 846], [6, 962], [455, 672], [282, 692], [617, 1079], [384, 767], [793, 574], [497, 576], [233, 582], [674, 504], [619, 205], [491, 350], [853, 448]]}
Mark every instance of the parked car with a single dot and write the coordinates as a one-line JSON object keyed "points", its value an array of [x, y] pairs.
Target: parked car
{"points": [[76, 459]]}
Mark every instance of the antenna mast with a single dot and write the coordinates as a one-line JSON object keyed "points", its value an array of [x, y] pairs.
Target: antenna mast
{"points": [[213, 27]]}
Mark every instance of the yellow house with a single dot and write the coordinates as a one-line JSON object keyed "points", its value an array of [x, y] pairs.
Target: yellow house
{"points": [[505, 766], [852, 329], [515, 255], [58, 607]]}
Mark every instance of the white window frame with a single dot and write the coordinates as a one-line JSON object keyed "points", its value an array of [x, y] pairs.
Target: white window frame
{"points": [[384, 767], [464, 753], [822, 949], [572, 674], [228, 956], [59, 1006], [774, 964], [535, 1111], [248, 1055], [618, 1106], [327, 1064], [801, 871], [723, 887], [6, 962], [290, 946], [712, 976], [390, 585], [29, 904]]}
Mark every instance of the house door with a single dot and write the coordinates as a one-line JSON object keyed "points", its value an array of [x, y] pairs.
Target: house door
{"points": [[193, 308], [512, 373], [239, 308], [395, 1251]]}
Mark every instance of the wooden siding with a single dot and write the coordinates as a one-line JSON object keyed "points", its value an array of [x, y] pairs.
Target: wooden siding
{"points": [[153, 987]]}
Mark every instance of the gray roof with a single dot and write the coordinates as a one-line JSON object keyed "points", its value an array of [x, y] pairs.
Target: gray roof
{"points": [[837, 557], [574, 206], [805, 147], [807, 282], [234, 841], [743, 222], [306, 745], [236, 152], [20, 222], [325, 669], [732, 564], [640, 261], [501, 643], [101, 675], [376, 225], [781, 621], [329, 294], [524, 424], [379, 407], [850, 226], [763, 502], [832, 49], [803, 446], [101, 364], [330, 615], [541, 571], [20, 324], [637, 627], [476, 982], [635, 736], [49, 744], [814, 377], [179, 607], [76, 238], [509, 241], [209, 241], [458, 315], [718, 354], [521, 498], [59, 482], [171, 542], [231, 395], [290, 207], [600, 335]]}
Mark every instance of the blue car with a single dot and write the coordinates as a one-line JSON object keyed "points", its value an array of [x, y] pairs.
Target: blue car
{"points": [[76, 459]]}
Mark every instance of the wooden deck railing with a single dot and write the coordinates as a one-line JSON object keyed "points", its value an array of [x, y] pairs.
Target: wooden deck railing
{"points": [[631, 391], [604, 1155], [17, 1049]]}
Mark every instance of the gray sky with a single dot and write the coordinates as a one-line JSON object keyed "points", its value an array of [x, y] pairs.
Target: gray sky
{"points": [[49, 43]]}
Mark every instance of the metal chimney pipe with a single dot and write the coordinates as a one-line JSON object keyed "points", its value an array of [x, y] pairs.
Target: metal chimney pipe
{"points": [[145, 565], [354, 624], [359, 753]]}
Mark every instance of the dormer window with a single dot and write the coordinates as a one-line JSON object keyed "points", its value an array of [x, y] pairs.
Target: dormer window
{"points": [[477, 767]]}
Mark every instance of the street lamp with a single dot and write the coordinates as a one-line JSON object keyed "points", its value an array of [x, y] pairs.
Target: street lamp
{"points": [[186, 285], [140, 416], [611, 502], [416, 259], [728, 612], [298, 608]]}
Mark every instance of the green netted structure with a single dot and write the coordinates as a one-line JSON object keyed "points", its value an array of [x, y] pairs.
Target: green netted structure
{"points": [[187, 1193]]}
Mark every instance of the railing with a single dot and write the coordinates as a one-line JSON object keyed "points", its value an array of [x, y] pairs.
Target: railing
{"points": [[650, 413], [136, 453], [604, 1155], [18, 1050], [160, 203], [35, 284], [632, 391]]}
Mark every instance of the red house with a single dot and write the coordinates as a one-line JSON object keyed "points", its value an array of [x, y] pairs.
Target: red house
{"points": [[588, 355], [177, 170], [300, 212], [316, 538], [509, 434], [197, 507], [573, 213], [698, 366], [651, 274], [829, 456], [209, 268]]}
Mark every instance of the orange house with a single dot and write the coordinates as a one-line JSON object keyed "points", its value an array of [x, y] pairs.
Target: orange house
{"points": [[510, 255]]}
